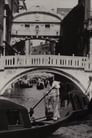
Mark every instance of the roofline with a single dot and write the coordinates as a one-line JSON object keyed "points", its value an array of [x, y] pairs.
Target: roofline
{"points": [[39, 12]]}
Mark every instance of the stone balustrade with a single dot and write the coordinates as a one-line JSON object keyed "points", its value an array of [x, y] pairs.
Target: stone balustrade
{"points": [[73, 62]]}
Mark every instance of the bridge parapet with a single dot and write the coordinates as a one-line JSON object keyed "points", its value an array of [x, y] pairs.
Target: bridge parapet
{"points": [[2, 63], [73, 62], [77, 69]]}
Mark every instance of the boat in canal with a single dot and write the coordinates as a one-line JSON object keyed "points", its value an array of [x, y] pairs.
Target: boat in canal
{"points": [[40, 84], [15, 121], [24, 83]]}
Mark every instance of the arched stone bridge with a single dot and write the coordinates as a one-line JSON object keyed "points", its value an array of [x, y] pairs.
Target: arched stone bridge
{"points": [[76, 69]]}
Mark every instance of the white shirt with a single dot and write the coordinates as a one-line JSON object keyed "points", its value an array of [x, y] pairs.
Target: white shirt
{"points": [[56, 84]]}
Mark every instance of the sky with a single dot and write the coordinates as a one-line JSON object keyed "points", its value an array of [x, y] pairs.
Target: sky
{"points": [[52, 3]]}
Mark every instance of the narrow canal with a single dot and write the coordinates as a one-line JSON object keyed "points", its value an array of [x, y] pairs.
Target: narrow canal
{"points": [[30, 96]]}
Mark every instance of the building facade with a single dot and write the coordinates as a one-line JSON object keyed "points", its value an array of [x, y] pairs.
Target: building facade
{"points": [[7, 9], [72, 33], [37, 23]]}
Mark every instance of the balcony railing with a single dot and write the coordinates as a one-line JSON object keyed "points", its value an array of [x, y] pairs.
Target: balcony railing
{"points": [[73, 62]]}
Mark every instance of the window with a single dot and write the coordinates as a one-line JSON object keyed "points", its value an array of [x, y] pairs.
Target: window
{"points": [[37, 27], [47, 25], [27, 25]]}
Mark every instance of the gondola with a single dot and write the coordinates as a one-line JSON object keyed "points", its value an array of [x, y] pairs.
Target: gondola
{"points": [[24, 85], [15, 122], [40, 85]]}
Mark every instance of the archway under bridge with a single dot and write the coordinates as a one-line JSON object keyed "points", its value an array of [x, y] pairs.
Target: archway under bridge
{"points": [[61, 75]]}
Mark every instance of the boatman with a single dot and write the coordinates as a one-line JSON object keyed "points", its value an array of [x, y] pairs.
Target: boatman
{"points": [[56, 97], [53, 102]]}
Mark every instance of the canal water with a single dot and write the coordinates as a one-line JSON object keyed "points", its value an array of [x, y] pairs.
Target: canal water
{"points": [[30, 96]]}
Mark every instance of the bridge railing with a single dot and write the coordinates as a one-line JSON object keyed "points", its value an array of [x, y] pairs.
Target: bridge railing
{"points": [[74, 62], [2, 63]]}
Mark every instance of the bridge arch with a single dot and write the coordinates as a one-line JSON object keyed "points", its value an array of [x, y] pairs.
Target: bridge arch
{"points": [[37, 12], [54, 70]]}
